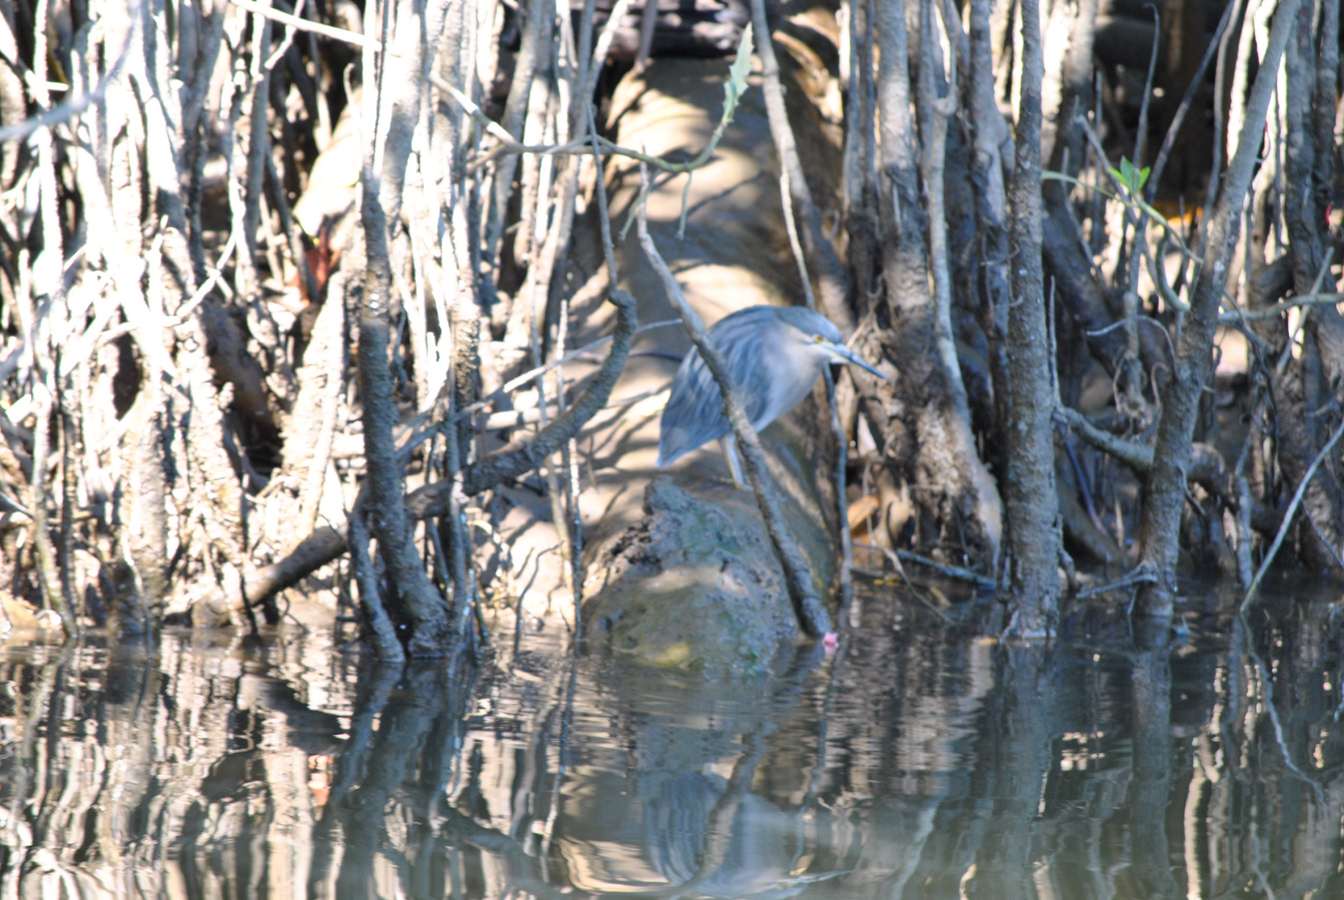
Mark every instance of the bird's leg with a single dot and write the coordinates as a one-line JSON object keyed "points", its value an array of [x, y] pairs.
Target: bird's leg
{"points": [[730, 452]]}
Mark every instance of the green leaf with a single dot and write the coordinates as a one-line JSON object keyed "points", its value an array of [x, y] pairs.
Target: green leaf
{"points": [[1129, 177], [736, 85]]}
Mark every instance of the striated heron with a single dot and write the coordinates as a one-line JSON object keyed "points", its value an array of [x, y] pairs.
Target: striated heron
{"points": [[774, 355]]}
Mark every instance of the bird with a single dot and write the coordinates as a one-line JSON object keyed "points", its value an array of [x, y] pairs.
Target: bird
{"points": [[773, 354]]}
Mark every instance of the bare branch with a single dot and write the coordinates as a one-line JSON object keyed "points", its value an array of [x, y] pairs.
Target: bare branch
{"points": [[812, 616], [831, 273], [1164, 489], [1288, 517], [73, 106]]}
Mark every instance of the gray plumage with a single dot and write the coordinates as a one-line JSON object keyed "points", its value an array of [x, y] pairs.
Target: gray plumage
{"points": [[774, 355]]}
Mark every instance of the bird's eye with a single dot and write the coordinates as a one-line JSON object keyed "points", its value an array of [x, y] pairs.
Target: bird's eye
{"points": [[817, 339]]}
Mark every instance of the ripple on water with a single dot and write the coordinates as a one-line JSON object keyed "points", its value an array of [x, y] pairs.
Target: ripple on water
{"points": [[919, 761]]}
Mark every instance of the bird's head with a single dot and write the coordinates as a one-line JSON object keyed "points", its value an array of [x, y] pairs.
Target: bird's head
{"points": [[819, 336], [838, 352]]}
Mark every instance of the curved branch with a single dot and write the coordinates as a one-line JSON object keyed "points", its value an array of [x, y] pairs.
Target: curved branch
{"points": [[807, 606]]}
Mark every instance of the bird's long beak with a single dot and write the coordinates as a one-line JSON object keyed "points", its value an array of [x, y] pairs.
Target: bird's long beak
{"points": [[844, 354]]}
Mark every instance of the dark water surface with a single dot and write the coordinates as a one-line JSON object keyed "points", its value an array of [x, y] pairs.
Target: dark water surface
{"points": [[919, 761]]}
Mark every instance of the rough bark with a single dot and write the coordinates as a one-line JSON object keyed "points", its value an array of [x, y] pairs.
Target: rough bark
{"points": [[992, 140], [1305, 389], [1029, 489], [419, 610], [926, 441]]}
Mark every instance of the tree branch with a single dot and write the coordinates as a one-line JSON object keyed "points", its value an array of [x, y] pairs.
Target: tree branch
{"points": [[1164, 488], [812, 615], [327, 543], [830, 272]]}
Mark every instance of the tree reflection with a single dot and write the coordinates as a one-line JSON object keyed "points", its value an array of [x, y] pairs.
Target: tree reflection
{"points": [[918, 761]]}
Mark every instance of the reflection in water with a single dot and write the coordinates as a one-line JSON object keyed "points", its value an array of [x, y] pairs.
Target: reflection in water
{"points": [[916, 762]]}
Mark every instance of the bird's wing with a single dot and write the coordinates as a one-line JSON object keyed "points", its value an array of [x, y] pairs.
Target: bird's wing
{"points": [[694, 412], [752, 363], [755, 348]]}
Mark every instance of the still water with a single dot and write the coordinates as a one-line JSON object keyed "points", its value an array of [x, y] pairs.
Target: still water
{"points": [[917, 761]]}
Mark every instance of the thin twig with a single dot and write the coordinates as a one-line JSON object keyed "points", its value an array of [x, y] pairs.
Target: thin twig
{"points": [[831, 273], [1138, 575], [1219, 113], [1196, 82], [1288, 516], [841, 439], [1147, 320], [1122, 195], [947, 570], [1138, 456], [1269, 312], [73, 106], [344, 35], [508, 143], [428, 430]]}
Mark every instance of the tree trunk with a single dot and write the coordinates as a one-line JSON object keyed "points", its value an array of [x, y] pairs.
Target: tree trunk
{"points": [[1164, 489], [1029, 490], [928, 441]]}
